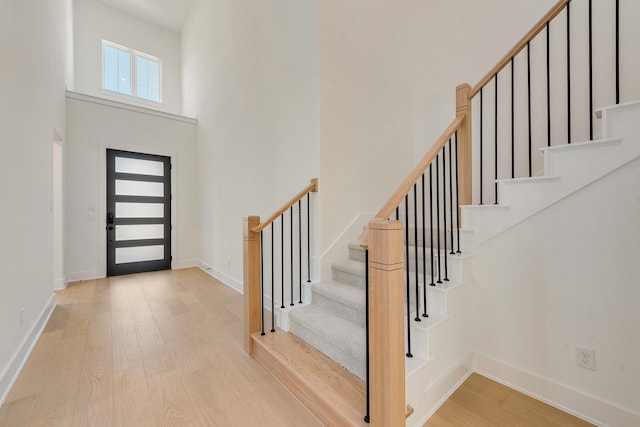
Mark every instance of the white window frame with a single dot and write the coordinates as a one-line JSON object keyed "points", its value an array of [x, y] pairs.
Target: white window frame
{"points": [[134, 54]]}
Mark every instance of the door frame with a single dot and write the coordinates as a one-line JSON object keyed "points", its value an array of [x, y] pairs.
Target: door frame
{"points": [[101, 191]]}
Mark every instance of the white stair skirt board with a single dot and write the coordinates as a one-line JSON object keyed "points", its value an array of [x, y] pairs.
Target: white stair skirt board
{"points": [[568, 168]]}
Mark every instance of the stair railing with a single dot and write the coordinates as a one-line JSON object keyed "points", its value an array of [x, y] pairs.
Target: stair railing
{"points": [[562, 109], [410, 206], [259, 248]]}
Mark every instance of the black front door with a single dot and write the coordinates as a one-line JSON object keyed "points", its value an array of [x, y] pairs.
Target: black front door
{"points": [[138, 212]]}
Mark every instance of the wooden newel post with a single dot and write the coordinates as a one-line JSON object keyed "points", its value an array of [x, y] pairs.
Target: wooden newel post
{"points": [[386, 325], [463, 108], [251, 268]]}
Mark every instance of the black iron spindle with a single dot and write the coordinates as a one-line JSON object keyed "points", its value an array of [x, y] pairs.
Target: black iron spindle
{"points": [[529, 108], [457, 199], [282, 260], [261, 284], [273, 319], [291, 252], [568, 73], [590, 74], [548, 88], [438, 213], [406, 257], [424, 257], [617, 51], [397, 213], [366, 316], [300, 251], [415, 243], [308, 238], [444, 213], [495, 150], [513, 121], [451, 194], [481, 123], [431, 220]]}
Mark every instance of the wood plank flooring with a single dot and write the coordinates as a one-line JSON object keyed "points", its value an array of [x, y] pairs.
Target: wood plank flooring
{"points": [[485, 403], [165, 349], [155, 349]]}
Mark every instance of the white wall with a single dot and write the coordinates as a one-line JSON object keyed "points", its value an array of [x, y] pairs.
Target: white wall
{"points": [[95, 21], [93, 125], [249, 75], [387, 76], [34, 46], [563, 278]]}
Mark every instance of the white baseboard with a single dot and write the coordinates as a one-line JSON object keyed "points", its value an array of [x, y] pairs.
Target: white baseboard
{"points": [[14, 367], [563, 397], [440, 391], [222, 277], [60, 284], [77, 276], [187, 263]]}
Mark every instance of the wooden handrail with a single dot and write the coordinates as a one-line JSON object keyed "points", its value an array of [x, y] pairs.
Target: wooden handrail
{"points": [[404, 188], [555, 10], [311, 188]]}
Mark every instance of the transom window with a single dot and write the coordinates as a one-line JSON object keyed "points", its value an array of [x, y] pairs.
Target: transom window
{"points": [[130, 72]]}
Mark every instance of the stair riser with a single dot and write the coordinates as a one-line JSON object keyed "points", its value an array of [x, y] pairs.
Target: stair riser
{"points": [[353, 314], [354, 279]]}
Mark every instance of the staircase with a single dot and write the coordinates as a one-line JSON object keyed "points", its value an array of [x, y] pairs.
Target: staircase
{"points": [[444, 348]]}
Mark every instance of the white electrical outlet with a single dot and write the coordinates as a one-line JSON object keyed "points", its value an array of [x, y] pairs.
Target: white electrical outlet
{"points": [[586, 358]]}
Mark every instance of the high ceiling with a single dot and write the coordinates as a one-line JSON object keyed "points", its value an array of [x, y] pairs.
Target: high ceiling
{"points": [[169, 14]]}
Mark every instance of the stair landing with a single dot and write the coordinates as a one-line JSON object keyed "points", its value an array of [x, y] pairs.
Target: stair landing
{"points": [[332, 394]]}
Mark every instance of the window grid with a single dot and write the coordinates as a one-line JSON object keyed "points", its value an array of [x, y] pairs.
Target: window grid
{"points": [[130, 72]]}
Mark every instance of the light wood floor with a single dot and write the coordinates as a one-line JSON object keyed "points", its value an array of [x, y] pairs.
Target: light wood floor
{"points": [[484, 403], [156, 349], [165, 349]]}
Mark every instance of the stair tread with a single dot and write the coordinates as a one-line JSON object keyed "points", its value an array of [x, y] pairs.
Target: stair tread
{"points": [[326, 389], [340, 339]]}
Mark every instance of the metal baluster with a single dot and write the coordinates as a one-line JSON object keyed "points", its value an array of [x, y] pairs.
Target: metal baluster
{"points": [[431, 220], [529, 107], [424, 257], [366, 316], [415, 243], [291, 252], [308, 239], [457, 199], [451, 195], [568, 73], [406, 257], [513, 121], [444, 213], [300, 250], [438, 215], [548, 89], [273, 319], [261, 284], [495, 151], [282, 261], [590, 74], [481, 125], [617, 51]]}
